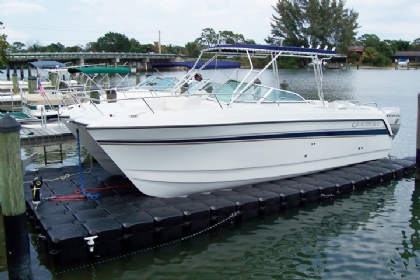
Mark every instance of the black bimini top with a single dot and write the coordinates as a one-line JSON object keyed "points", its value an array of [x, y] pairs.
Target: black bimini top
{"points": [[238, 49]]}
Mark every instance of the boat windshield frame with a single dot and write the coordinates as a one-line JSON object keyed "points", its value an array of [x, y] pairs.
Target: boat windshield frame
{"points": [[316, 55]]}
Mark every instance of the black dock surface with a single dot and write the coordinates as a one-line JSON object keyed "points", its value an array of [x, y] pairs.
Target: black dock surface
{"points": [[119, 218]]}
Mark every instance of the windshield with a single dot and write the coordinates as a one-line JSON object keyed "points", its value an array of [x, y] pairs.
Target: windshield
{"points": [[158, 83], [255, 93]]}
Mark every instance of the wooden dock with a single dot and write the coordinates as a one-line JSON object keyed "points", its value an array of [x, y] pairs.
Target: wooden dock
{"points": [[51, 134]]}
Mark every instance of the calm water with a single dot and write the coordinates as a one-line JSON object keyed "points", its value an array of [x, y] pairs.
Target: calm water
{"points": [[371, 234]]}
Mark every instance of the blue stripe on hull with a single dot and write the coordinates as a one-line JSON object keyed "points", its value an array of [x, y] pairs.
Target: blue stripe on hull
{"points": [[296, 135]]}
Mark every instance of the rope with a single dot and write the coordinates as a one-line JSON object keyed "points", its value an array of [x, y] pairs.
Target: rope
{"points": [[106, 188], [82, 186]]}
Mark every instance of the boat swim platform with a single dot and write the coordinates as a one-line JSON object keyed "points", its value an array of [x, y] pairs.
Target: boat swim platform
{"points": [[52, 134], [122, 220]]}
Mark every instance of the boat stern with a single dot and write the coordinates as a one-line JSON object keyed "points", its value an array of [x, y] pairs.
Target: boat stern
{"points": [[394, 118]]}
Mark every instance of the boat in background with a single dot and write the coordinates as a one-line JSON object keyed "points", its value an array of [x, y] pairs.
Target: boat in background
{"points": [[241, 133], [134, 101]]}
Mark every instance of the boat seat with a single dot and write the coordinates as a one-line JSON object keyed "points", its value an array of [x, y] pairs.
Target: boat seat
{"points": [[195, 101], [176, 103], [206, 104]]}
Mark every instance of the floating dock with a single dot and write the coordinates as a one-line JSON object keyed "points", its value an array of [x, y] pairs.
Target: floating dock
{"points": [[87, 214]]}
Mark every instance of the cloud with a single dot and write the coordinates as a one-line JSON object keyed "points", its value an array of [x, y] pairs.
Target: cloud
{"points": [[390, 19], [19, 7]]}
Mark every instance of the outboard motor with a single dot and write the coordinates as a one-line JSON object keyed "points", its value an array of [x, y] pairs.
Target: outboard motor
{"points": [[394, 117]]}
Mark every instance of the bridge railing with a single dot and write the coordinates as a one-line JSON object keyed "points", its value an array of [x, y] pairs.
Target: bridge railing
{"points": [[88, 55]]}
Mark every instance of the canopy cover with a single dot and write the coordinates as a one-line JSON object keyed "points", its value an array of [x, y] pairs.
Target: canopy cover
{"points": [[47, 64], [211, 65], [237, 49], [100, 70]]}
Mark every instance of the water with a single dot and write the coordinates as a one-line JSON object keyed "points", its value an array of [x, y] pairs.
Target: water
{"points": [[370, 234]]}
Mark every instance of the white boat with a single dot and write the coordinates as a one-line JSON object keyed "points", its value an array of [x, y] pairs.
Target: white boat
{"points": [[136, 100], [244, 133]]}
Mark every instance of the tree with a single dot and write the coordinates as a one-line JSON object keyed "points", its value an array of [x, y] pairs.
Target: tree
{"points": [[55, 47], [162, 47], [354, 57], [135, 46], [113, 42], [192, 49], [208, 38], [34, 46], [370, 54], [91, 47], [4, 47], [398, 45], [415, 45], [369, 40], [228, 37], [17, 47], [76, 48], [314, 22], [174, 49]]}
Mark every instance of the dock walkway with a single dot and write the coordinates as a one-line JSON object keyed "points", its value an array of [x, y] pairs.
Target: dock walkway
{"points": [[122, 219], [53, 133]]}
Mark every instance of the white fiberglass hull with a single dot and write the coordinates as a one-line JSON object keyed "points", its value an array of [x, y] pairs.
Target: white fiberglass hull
{"points": [[178, 153], [93, 148]]}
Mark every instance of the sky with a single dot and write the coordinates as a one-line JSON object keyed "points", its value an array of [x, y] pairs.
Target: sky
{"points": [[178, 22]]}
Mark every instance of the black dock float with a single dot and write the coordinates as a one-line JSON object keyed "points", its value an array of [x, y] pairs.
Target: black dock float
{"points": [[75, 229]]}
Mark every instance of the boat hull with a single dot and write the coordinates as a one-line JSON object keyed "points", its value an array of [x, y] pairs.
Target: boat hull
{"points": [[93, 148], [164, 159]]}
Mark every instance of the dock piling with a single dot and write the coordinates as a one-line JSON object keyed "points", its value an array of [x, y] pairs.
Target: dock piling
{"points": [[15, 83], [32, 85], [418, 143], [13, 201], [284, 85], [138, 78]]}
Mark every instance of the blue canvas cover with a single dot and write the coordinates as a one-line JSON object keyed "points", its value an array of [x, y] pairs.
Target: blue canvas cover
{"points": [[47, 64], [211, 65]]}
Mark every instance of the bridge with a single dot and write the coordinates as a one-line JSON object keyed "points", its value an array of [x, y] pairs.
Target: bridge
{"points": [[140, 61]]}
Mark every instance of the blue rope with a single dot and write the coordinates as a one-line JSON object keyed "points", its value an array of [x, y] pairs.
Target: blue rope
{"points": [[81, 171]]}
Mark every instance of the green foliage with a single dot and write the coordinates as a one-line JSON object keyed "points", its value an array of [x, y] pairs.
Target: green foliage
{"points": [[354, 57], [377, 52], [54, 47], [113, 42], [370, 54], [4, 48], [17, 47], [228, 37], [382, 60], [35, 47], [415, 45], [290, 62], [135, 46], [368, 40], [77, 48], [398, 45], [313, 22], [208, 38], [192, 49]]}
